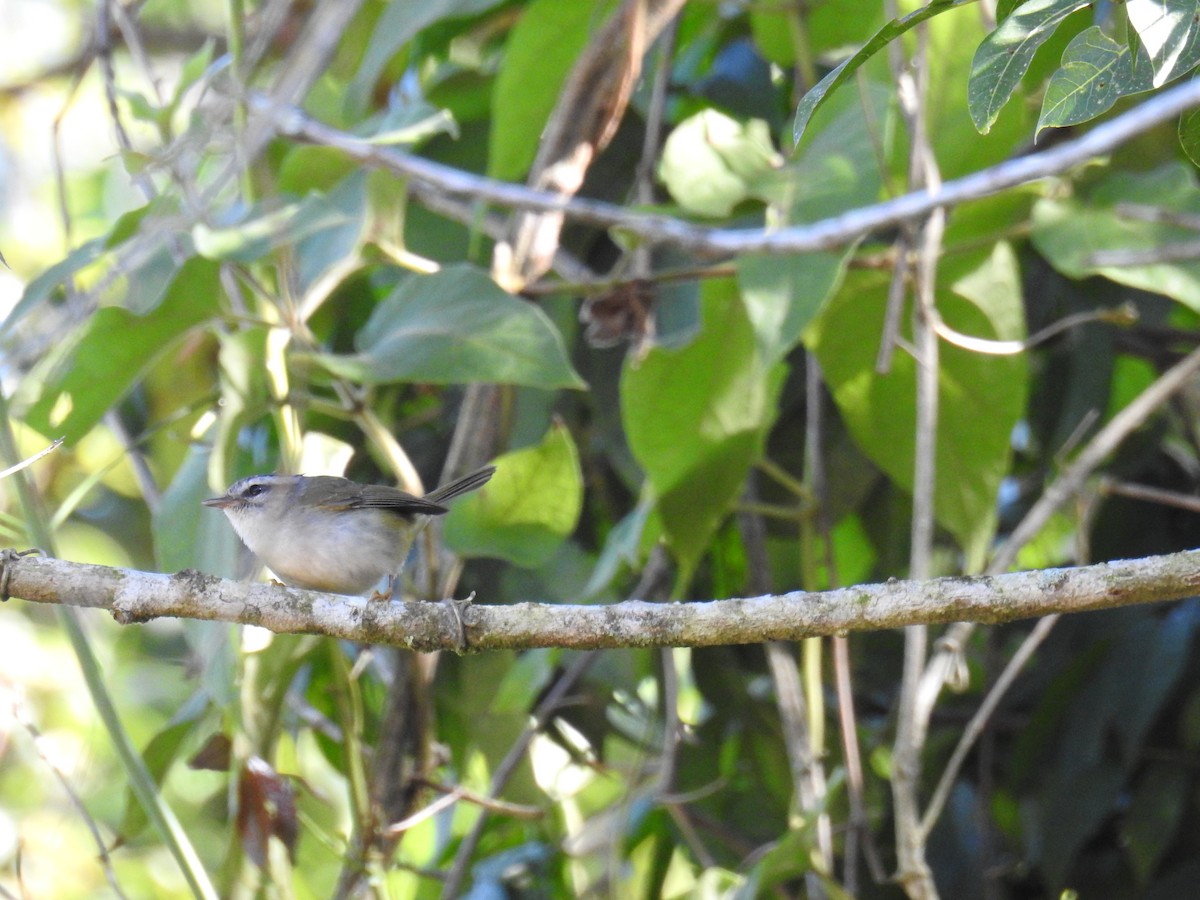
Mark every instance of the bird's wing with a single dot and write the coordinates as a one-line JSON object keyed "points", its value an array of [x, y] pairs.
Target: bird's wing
{"points": [[379, 496]]}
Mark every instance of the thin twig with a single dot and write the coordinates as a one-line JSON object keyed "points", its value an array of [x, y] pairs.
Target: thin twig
{"points": [[948, 657], [1098, 449], [104, 46], [76, 801], [980, 719], [1158, 215], [1125, 314], [1181, 251], [1113, 487], [549, 704], [915, 706], [545, 709], [30, 460]]}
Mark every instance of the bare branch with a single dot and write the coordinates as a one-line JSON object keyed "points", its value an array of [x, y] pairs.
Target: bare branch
{"points": [[134, 596], [431, 178]]}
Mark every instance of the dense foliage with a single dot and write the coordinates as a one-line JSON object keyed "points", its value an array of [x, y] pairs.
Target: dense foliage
{"points": [[242, 290]]}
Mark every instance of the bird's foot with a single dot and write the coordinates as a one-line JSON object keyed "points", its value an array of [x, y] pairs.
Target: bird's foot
{"points": [[378, 596]]}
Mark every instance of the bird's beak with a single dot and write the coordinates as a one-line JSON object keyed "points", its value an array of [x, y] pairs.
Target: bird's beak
{"points": [[218, 502]]}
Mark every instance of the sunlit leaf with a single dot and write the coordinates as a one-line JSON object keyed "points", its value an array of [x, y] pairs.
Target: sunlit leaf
{"points": [[782, 294], [454, 327], [45, 285], [1096, 72], [91, 373], [409, 124], [1006, 53], [42, 287], [1170, 32], [711, 163]]}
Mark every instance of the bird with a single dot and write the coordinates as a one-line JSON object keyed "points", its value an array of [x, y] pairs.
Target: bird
{"points": [[332, 534]]}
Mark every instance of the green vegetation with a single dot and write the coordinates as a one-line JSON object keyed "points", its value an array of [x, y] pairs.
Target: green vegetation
{"points": [[296, 239]]}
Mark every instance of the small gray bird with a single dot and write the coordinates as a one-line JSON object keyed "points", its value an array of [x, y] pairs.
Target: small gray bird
{"points": [[330, 534]]}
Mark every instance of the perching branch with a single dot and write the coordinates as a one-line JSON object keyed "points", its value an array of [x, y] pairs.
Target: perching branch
{"points": [[134, 596]]}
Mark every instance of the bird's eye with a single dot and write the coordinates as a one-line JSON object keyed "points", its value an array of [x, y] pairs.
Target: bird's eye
{"points": [[253, 490]]}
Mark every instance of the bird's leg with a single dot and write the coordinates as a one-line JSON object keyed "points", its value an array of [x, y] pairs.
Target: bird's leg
{"points": [[387, 593]]}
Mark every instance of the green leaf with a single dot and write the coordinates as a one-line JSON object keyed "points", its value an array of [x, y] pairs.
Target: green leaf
{"points": [[836, 171], [245, 398], [187, 537], [453, 327], [826, 28], [144, 288], [91, 373], [1096, 72], [1004, 8], [1189, 135], [711, 163], [1005, 55], [399, 24], [696, 418], [1170, 32], [306, 170], [42, 287], [980, 296], [1069, 231], [528, 509], [813, 100], [783, 294], [263, 230], [408, 125], [622, 546], [143, 108], [159, 754], [190, 72], [524, 681], [321, 253], [538, 56]]}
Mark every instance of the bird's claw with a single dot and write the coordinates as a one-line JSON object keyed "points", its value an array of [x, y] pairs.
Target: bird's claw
{"points": [[378, 596], [8, 556]]}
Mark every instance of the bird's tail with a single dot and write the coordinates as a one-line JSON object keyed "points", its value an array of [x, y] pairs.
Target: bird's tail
{"points": [[467, 483]]}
